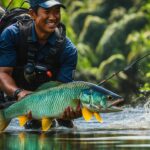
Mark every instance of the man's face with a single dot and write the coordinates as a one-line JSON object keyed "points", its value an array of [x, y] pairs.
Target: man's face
{"points": [[46, 20]]}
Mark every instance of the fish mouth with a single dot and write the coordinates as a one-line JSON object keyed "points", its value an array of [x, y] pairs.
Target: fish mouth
{"points": [[112, 107], [116, 102]]}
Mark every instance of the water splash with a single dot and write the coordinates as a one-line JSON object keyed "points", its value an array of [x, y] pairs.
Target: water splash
{"points": [[147, 110], [129, 118]]}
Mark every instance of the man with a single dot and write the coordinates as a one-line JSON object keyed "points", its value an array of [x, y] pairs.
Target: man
{"points": [[48, 54]]}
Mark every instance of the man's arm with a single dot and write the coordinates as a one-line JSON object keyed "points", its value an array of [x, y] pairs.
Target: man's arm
{"points": [[68, 63], [8, 40], [7, 83]]}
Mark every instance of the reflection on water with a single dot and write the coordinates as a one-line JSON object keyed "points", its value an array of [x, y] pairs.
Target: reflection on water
{"points": [[58, 140], [126, 130]]}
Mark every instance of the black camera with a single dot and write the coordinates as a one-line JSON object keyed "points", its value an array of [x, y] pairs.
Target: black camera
{"points": [[36, 73]]}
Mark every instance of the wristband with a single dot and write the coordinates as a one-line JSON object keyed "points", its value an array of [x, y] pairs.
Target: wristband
{"points": [[15, 95]]}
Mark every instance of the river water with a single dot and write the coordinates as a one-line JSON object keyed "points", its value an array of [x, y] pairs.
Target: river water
{"points": [[129, 129]]}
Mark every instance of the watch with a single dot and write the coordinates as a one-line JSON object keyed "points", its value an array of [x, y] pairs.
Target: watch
{"points": [[15, 94]]}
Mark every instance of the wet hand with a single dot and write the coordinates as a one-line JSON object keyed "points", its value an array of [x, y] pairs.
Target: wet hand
{"points": [[69, 113], [22, 94]]}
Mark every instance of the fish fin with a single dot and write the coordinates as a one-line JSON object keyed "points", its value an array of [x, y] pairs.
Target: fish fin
{"points": [[98, 117], [48, 85], [87, 114], [46, 124], [3, 122], [23, 120], [29, 115]]}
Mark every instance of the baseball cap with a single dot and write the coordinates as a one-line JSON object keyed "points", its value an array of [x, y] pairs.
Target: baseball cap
{"points": [[45, 3]]}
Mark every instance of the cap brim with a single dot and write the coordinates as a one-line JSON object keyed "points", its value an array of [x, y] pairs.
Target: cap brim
{"points": [[49, 4]]}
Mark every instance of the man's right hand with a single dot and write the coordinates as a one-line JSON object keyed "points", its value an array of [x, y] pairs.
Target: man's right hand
{"points": [[22, 94], [8, 84]]}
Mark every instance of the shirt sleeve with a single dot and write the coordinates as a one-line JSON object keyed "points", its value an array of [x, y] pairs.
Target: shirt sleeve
{"points": [[68, 62], [7, 47]]}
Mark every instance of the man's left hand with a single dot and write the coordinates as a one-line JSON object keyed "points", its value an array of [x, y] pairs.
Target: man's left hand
{"points": [[69, 113]]}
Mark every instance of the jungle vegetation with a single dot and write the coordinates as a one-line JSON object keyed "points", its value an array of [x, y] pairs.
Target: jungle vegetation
{"points": [[109, 36]]}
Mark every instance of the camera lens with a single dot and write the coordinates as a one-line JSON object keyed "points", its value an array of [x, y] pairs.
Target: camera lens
{"points": [[29, 68]]}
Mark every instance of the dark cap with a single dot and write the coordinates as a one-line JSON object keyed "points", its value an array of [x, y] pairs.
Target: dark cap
{"points": [[45, 3]]}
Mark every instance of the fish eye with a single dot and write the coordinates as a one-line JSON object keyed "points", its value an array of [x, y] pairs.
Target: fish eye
{"points": [[109, 97]]}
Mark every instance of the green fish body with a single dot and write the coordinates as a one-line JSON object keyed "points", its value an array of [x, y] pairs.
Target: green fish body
{"points": [[51, 100]]}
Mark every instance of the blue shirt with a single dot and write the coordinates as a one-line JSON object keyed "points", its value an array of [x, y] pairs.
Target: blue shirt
{"points": [[9, 39]]}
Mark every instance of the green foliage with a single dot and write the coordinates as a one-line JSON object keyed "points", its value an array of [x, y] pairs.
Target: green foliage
{"points": [[15, 3], [94, 26], [113, 61], [115, 35], [85, 56], [70, 32], [145, 88]]}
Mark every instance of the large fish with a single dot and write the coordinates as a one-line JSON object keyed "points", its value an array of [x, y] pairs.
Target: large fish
{"points": [[50, 100]]}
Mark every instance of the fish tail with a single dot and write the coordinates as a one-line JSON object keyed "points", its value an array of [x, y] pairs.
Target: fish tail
{"points": [[3, 122]]}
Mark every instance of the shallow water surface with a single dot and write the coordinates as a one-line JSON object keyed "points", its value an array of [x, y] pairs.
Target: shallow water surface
{"points": [[129, 129]]}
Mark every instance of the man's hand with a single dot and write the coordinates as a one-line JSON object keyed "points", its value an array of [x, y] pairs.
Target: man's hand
{"points": [[70, 114], [8, 85], [22, 94]]}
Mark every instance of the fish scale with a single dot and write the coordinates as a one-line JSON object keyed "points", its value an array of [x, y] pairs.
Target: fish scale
{"points": [[62, 100]]}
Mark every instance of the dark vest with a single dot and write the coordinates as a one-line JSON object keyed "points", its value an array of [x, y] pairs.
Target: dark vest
{"points": [[26, 54]]}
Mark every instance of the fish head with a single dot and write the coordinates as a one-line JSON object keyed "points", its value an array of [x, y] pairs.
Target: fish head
{"points": [[99, 99]]}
